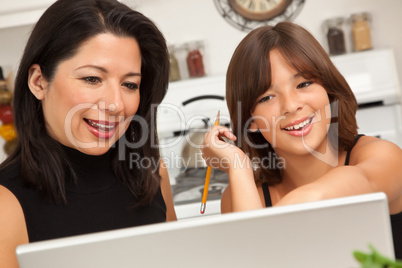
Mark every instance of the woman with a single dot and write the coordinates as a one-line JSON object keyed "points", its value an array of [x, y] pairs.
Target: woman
{"points": [[296, 134], [85, 101]]}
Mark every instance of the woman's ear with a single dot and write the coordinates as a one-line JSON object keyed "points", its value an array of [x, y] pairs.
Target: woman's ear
{"points": [[36, 82], [253, 126]]}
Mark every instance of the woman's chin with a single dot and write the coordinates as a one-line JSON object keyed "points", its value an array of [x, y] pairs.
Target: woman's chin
{"points": [[98, 147], [94, 151]]}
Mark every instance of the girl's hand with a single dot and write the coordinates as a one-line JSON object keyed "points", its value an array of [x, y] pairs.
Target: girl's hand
{"points": [[242, 193], [219, 154]]}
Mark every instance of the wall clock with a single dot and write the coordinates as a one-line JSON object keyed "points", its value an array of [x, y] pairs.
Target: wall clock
{"points": [[247, 15]]}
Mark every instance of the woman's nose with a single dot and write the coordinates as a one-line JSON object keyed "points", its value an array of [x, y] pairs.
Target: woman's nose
{"points": [[112, 100]]}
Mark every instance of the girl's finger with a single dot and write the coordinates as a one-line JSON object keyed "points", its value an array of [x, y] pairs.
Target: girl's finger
{"points": [[227, 134], [222, 131]]}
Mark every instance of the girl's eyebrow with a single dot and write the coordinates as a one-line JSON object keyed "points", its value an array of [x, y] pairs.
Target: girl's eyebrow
{"points": [[303, 74], [297, 76]]}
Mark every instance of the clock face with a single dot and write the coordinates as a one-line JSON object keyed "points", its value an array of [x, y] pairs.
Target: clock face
{"points": [[259, 9], [247, 15]]}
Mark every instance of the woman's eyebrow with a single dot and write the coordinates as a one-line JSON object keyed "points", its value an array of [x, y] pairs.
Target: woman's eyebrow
{"points": [[93, 66], [104, 70]]}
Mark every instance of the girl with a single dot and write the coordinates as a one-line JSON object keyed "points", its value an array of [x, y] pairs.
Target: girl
{"points": [[296, 138]]}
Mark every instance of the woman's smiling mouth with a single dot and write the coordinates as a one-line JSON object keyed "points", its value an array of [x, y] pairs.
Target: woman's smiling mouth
{"points": [[101, 129]]}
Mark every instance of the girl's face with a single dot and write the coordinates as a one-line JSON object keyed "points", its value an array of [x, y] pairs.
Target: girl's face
{"points": [[95, 94], [294, 114]]}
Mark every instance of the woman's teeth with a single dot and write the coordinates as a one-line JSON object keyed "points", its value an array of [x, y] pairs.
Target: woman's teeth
{"points": [[100, 127], [301, 125]]}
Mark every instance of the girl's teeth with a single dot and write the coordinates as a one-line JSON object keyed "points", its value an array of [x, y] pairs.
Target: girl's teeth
{"points": [[301, 125]]}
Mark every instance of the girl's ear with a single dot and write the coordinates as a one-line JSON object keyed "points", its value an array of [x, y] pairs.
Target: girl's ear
{"points": [[36, 82], [253, 126]]}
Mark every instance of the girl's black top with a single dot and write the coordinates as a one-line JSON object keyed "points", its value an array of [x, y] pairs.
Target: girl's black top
{"points": [[396, 219], [98, 201]]}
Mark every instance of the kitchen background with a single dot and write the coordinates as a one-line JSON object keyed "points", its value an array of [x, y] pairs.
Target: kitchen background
{"points": [[184, 21]]}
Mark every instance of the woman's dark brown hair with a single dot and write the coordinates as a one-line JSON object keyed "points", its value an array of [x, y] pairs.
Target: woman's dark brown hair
{"points": [[56, 37], [249, 76]]}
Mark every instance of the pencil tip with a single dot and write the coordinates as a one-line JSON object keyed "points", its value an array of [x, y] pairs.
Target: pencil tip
{"points": [[217, 118]]}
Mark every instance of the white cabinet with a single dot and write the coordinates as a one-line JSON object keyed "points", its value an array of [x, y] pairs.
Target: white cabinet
{"points": [[21, 12]]}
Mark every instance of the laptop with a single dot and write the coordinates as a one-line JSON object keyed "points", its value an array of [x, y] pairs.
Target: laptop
{"points": [[316, 234]]}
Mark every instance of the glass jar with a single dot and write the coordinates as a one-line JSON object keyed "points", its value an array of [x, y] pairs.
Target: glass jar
{"points": [[335, 35], [195, 62], [3, 84], [5, 95], [361, 31], [174, 71]]}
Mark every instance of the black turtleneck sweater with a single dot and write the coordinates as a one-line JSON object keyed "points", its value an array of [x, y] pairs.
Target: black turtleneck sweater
{"points": [[97, 202]]}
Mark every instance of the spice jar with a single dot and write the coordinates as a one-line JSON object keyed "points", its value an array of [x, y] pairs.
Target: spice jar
{"points": [[3, 83], [7, 129], [174, 72], [195, 62], [361, 31], [335, 36]]}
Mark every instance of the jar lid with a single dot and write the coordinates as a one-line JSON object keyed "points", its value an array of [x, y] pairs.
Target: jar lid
{"points": [[334, 22], [193, 45], [360, 16]]}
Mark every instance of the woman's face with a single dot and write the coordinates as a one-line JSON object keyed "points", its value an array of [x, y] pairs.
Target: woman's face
{"points": [[294, 114], [95, 94]]}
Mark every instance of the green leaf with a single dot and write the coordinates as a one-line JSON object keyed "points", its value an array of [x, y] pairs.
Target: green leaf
{"points": [[360, 256], [375, 259]]}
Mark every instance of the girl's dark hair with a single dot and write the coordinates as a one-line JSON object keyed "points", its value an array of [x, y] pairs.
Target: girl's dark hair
{"points": [[58, 34], [249, 76]]}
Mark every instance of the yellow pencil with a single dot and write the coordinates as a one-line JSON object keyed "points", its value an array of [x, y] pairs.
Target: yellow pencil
{"points": [[207, 177]]}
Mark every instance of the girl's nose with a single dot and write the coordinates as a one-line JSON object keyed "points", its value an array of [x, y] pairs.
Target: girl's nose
{"points": [[290, 103]]}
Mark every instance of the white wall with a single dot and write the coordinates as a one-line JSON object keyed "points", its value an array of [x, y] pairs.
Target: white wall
{"points": [[182, 21], [200, 20]]}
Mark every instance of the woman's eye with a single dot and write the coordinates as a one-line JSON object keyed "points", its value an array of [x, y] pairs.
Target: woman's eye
{"points": [[92, 79], [265, 98], [304, 84], [131, 86]]}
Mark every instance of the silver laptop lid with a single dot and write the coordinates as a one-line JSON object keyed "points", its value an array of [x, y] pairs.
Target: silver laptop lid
{"points": [[316, 234]]}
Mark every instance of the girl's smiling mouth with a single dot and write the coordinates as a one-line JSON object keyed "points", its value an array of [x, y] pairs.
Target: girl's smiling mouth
{"points": [[300, 127]]}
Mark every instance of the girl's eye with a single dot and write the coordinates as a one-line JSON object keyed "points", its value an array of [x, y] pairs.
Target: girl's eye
{"points": [[130, 86], [304, 84], [92, 79], [265, 98]]}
